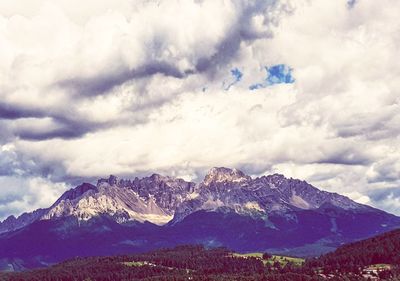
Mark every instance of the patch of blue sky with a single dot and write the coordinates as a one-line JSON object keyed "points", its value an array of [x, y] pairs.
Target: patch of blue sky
{"points": [[237, 76], [256, 86], [276, 74]]}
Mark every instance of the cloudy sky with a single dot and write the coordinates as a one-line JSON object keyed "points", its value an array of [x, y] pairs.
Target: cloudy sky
{"points": [[306, 88]]}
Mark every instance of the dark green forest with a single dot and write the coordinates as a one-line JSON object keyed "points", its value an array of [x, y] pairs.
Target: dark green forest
{"points": [[373, 258], [181, 263], [355, 257]]}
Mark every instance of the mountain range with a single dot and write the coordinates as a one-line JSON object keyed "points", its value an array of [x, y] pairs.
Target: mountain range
{"points": [[228, 208]]}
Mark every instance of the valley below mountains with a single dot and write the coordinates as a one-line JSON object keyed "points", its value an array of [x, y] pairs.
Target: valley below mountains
{"points": [[228, 208]]}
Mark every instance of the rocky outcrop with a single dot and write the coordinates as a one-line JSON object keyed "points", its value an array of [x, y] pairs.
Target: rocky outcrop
{"points": [[162, 199]]}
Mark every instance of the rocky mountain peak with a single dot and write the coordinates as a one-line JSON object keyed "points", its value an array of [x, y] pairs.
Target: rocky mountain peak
{"points": [[157, 178], [222, 174], [158, 198], [275, 180], [112, 180], [76, 192]]}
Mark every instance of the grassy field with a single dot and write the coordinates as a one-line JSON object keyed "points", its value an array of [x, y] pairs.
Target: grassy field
{"points": [[283, 260], [134, 263], [379, 266]]}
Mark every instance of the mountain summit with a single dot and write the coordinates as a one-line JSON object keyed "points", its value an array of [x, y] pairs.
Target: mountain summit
{"points": [[228, 208], [159, 199], [222, 174]]}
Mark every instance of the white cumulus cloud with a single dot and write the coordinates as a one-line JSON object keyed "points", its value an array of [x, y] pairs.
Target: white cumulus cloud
{"points": [[134, 87]]}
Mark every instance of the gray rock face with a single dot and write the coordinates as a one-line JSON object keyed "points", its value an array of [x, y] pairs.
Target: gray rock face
{"points": [[152, 199], [224, 187], [162, 199], [12, 223]]}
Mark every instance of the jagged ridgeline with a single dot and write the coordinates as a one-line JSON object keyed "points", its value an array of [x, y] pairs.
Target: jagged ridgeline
{"points": [[228, 208]]}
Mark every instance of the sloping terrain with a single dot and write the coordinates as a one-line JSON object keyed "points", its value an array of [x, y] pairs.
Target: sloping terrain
{"points": [[228, 208]]}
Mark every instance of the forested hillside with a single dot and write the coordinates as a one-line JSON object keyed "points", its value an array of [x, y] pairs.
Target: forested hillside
{"points": [[354, 257], [180, 263], [376, 259]]}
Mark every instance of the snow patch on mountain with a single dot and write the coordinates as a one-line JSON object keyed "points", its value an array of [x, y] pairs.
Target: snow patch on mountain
{"points": [[193, 195], [253, 205], [299, 202], [211, 204]]}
